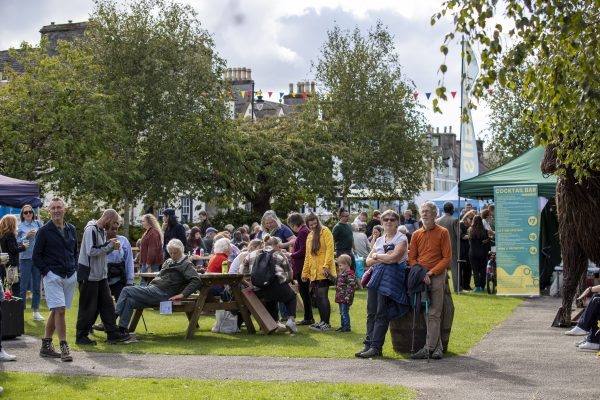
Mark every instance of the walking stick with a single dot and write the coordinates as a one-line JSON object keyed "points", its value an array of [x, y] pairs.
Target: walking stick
{"points": [[144, 321], [412, 345]]}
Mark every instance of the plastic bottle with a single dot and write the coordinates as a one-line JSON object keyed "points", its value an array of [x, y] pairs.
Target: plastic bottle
{"points": [[225, 267]]}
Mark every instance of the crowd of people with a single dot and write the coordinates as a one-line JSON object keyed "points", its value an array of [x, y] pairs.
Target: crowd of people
{"points": [[302, 251]]}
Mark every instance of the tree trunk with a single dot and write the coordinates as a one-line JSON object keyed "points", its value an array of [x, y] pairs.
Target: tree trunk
{"points": [[261, 202]]}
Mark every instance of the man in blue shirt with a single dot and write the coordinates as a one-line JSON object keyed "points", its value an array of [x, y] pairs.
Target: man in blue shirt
{"points": [[55, 255]]}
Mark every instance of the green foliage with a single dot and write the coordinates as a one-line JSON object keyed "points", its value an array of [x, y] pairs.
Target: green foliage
{"points": [[510, 130], [237, 217], [34, 386], [555, 48], [281, 160], [377, 129], [55, 127]]}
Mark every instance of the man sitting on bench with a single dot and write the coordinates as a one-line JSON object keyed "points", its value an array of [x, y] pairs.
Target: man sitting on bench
{"points": [[176, 280]]}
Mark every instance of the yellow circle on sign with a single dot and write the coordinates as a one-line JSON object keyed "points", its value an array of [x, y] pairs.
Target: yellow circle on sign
{"points": [[533, 250], [532, 221], [532, 236]]}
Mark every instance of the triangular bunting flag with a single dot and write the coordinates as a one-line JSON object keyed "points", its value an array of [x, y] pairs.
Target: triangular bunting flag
{"points": [[304, 95], [415, 95], [453, 94], [259, 93], [249, 93], [242, 92], [293, 94], [281, 94], [428, 94], [270, 93]]}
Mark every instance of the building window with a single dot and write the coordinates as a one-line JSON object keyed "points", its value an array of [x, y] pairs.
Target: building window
{"points": [[185, 209]]}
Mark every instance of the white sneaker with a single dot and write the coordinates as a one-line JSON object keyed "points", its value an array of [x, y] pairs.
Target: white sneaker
{"points": [[281, 327], [589, 346], [291, 326], [580, 342], [37, 316], [4, 356], [576, 331]]}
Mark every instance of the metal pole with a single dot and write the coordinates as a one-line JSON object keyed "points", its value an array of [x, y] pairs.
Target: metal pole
{"points": [[252, 101], [462, 87]]}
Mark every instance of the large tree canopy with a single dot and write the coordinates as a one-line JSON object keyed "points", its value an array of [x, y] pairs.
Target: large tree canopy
{"points": [[368, 111], [556, 44]]}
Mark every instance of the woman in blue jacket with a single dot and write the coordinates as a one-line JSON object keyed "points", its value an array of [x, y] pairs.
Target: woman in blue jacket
{"points": [[27, 230]]}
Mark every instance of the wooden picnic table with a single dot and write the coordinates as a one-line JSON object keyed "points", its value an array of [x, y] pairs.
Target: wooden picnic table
{"points": [[196, 303]]}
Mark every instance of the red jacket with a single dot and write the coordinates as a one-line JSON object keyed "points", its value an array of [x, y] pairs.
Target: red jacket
{"points": [[151, 248]]}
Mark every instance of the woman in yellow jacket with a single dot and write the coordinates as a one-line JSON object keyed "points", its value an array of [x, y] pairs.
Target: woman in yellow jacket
{"points": [[319, 257]]}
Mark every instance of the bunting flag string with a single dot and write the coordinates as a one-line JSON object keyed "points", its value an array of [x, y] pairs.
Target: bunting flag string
{"points": [[304, 95]]}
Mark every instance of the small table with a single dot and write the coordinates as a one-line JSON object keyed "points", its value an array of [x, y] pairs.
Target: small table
{"points": [[195, 304]]}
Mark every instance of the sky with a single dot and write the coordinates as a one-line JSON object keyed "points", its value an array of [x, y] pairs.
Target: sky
{"points": [[278, 39]]}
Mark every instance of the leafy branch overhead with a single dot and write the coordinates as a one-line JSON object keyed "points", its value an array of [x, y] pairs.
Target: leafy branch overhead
{"points": [[553, 46]]}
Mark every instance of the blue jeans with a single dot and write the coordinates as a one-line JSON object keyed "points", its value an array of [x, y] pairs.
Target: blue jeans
{"points": [[148, 268], [30, 274], [133, 297], [345, 315]]}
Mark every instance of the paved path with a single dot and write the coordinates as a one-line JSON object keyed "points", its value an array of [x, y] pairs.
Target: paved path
{"points": [[524, 358]]}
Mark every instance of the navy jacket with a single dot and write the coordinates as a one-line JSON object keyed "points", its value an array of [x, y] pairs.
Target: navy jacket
{"points": [[390, 281], [174, 232], [53, 252]]}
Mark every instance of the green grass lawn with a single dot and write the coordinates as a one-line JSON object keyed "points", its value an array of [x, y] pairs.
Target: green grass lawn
{"points": [[34, 386], [475, 316]]}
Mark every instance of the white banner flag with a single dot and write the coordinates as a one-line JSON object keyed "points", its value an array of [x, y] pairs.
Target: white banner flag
{"points": [[469, 160]]}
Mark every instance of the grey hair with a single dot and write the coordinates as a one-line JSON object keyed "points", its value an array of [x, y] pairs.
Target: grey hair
{"points": [[431, 205], [221, 245], [269, 214], [273, 241], [175, 244]]}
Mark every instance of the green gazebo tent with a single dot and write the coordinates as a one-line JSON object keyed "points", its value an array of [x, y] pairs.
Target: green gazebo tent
{"points": [[523, 170]]}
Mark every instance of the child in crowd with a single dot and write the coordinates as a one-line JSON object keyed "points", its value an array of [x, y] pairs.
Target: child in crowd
{"points": [[345, 285]]}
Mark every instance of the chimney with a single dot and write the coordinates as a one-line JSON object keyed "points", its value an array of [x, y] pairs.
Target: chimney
{"points": [[291, 88], [299, 85], [52, 23], [248, 74], [313, 87], [244, 74], [70, 21], [444, 129], [450, 129], [437, 129]]}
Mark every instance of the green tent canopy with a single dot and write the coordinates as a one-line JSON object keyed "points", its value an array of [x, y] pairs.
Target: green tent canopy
{"points": [[523, 170]]}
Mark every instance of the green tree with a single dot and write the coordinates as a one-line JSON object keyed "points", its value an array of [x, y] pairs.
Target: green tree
{"points": [[54, 122], [161, 68], [555, 44], [368, 110], [510, 129], [275, 163]]}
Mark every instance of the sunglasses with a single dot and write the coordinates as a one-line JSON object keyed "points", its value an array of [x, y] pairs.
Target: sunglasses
{"points": [[28, 212], [389, 219]]}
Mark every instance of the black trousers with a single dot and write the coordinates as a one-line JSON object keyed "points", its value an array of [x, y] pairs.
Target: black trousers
{"points": [[278, 292], [377, 319], [304, 289], [479, 264], [95, 298], [115, 290]]}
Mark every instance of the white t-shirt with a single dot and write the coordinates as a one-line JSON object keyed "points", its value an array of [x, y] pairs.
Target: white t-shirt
{"points": [[396, 241]]}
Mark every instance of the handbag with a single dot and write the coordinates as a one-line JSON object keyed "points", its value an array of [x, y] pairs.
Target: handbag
{"points": [[12, 275], [366, 277], [226, 322]]}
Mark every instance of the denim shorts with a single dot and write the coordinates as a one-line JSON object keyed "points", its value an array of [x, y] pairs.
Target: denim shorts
{"points": [[59, 291]]}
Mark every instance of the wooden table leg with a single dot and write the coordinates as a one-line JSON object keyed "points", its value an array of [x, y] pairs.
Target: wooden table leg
{"points": [[136, 318], [239, 299], [197, 310]]}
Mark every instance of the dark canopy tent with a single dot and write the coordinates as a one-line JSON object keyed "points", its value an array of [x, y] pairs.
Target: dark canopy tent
{"points": [[525, 170], [16, 193]]}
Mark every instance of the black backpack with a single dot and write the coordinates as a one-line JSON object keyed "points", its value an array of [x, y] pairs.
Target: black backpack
{"points": [[263, 271]]}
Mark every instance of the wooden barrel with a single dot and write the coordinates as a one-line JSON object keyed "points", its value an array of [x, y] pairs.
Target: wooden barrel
{"points": [[401, 329]]}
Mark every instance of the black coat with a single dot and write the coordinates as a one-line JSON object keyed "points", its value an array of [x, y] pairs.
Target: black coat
{"points": [[9, 245]]}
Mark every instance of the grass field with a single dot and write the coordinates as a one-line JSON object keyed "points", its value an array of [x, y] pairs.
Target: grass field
{"points": [[475, 316], [34, 386]]}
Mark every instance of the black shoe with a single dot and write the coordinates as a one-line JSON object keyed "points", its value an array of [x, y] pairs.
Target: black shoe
{"points": [[65, 354], [118, 336], [364, 349], [339, 329], [85, 341], [372, 352], [306, 322], [422, 354], [345, 330]]}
